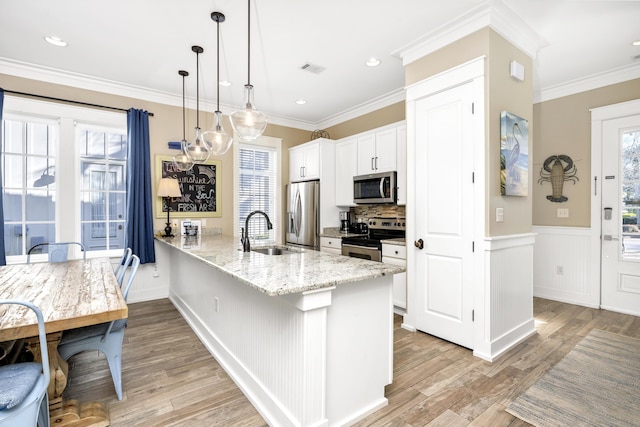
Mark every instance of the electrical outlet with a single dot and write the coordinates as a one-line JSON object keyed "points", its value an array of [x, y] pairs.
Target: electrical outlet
{"points": [[563, 213], [156, 273], [559, 270], [499, 214]]}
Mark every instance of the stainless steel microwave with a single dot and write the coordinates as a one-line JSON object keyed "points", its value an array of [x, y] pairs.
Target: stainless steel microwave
{"points": [[375, 188]]}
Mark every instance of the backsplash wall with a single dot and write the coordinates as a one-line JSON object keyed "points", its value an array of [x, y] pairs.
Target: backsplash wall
{"points": [[364, 212]]}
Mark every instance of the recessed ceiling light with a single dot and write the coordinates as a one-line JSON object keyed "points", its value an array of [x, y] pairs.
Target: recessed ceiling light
{"points": [[636, 43], [301, 102], [225, 83], [56, 41], [373, 62]]}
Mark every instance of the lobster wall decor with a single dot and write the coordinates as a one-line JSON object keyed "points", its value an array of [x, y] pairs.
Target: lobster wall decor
{"points": [[563, 169]]}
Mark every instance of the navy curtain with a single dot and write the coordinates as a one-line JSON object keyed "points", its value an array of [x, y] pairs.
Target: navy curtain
{"points": [[3, 258], [139, 235]]}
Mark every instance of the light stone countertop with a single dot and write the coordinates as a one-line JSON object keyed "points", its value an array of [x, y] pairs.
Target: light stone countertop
{"points": [[334, 232], [302, 271]]}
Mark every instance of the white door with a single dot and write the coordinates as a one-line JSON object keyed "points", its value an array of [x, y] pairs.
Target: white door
{"points": [[444, 209], [620, 215]]}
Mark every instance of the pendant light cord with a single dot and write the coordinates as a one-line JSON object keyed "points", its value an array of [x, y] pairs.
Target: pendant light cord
{"points": [[184, 122], [218, 64], [248, 42], [197, 89]]}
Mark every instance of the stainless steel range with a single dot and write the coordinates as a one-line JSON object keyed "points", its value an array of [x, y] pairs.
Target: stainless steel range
{"points": [[369, 246]]}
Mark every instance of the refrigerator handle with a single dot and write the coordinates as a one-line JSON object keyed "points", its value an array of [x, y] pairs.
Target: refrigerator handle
{"points": [[298, 214]]}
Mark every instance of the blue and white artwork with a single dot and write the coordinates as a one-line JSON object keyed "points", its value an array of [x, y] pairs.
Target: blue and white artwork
{"points": [[514, 155]]}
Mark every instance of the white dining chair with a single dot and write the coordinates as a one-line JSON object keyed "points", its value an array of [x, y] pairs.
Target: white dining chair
{"points": [[104, 337], [23, 386], [57, 251], [121, 268]]}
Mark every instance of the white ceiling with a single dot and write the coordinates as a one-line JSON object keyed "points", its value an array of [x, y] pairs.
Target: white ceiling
{"points": [[136, 48]]}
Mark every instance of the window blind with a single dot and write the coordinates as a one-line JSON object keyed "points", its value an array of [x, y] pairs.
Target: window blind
{"points": [[257, 190]]}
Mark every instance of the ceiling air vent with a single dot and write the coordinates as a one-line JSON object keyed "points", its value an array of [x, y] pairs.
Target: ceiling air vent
{"points": [[312, 68]]}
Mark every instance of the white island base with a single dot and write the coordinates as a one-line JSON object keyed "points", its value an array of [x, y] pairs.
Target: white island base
{"points": [[313, 358]]}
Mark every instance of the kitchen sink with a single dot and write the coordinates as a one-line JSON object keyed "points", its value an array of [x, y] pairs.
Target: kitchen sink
{"points": [[274, 251]]}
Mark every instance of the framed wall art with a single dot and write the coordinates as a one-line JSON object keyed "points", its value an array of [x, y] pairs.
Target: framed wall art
{"points": [[514, 155], [200, 188]]}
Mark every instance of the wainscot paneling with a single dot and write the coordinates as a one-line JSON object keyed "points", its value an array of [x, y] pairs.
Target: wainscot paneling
{"points": [[563, 264], [151, 281], [504, 307]]}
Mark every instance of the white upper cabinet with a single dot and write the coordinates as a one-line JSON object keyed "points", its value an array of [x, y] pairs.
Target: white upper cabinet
{"points": [[346, 169], [377, 151], [304, 162]]}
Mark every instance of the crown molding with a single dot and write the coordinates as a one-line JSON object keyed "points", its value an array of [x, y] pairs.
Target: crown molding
{"points": [[364, 108], [492, 13], [583, 84]]}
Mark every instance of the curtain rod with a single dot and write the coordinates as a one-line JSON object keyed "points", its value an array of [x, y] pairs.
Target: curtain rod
{"points": [[67, 100]]}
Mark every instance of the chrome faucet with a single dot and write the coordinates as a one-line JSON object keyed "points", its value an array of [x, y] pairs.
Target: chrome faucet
{"points": [[246, 246]]}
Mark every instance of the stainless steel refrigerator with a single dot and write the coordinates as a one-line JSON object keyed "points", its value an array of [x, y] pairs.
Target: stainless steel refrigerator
{"points": [[303, 214]]}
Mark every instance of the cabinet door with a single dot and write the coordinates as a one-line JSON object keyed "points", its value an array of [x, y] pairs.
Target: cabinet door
{"points": [[311, 161], [401, 161], [346, 169], [385, 155], [296, 164], [399, 282], [366, 153]]}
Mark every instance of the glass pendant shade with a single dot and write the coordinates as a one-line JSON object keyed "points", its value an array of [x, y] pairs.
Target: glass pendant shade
{"points": [[249, 123], [218, 140], [182, 161], [198, 150]]}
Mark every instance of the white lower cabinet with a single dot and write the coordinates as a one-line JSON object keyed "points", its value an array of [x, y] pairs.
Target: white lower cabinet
{"points": [[331, 245], [397, 255]]}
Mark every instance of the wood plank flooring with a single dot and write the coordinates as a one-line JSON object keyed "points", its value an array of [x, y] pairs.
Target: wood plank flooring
{"points": [[170, 379]]}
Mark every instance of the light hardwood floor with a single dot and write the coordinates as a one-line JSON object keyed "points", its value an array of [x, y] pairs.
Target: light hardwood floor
{"points": [[170, 379]]}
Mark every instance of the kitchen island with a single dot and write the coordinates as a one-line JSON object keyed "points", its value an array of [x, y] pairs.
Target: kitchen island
{"points": [[307, 336]]}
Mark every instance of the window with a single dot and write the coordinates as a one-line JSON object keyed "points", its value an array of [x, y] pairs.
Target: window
{"points": [[28, 176], [103, 156], [63, 171], [257, 189]]}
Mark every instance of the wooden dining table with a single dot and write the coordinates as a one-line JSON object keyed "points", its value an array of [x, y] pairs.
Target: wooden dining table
{"points": [[70, 295]]}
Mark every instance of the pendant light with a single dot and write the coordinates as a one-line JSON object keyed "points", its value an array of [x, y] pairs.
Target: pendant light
{"points": [[249, 123], [198, 150], [182, 161], [219, 141]]}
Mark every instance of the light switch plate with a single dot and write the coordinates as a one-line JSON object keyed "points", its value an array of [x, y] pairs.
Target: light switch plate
{"points": [[563, 213]]}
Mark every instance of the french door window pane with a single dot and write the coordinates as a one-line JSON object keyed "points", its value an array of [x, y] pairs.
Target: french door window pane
{"points": [[12, 142], [631, 195], [12, 171], [40, 206], [38, 139]]}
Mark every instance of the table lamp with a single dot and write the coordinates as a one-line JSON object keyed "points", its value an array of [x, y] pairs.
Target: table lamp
{"points": [[167, 188]]}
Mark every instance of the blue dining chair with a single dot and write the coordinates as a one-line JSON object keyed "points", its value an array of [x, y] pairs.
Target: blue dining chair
{"points": [[121, 268], [23, 386], [58, 251], [104, 337]]}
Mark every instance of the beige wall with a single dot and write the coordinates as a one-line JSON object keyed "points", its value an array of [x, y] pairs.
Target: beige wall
{"points": [[563, 126], [384, 116], [502, 93], [165, 126]]}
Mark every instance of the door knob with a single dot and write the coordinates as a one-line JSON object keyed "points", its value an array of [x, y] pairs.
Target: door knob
{"points": [[419, 243]]}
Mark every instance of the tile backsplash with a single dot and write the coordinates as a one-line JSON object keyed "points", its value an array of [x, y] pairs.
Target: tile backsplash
{"points": [[364, 212]]}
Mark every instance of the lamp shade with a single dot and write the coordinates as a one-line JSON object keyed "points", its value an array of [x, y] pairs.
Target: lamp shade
{"points": [[169, 187]]}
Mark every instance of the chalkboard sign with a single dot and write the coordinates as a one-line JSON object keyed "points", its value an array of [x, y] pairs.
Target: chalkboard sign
{"points": [[200, 189]]}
